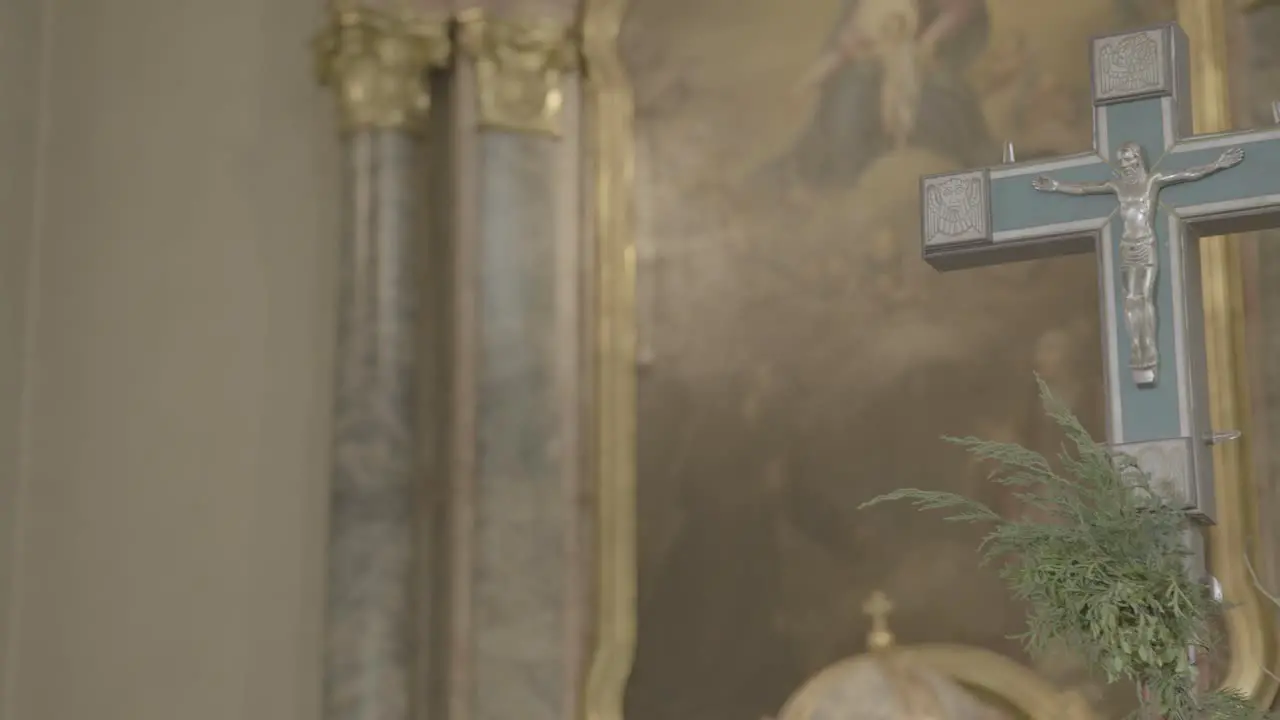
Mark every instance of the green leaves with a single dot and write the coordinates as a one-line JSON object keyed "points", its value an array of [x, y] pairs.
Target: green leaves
{"points": [[1105, 572], [967, 510]]}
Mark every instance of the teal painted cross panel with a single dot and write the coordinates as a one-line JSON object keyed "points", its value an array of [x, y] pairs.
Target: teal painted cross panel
{"points": [[1253, 187], [1140, 200], [1020, 214], [1150, 411]]}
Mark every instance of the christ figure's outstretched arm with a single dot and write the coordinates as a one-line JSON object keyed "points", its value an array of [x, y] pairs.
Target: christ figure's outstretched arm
{"points": [[1229, 158], [1044, 183]]}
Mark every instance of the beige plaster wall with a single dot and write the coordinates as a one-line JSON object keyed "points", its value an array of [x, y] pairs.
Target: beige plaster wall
{"points": [[19, 80], [170, 527]]}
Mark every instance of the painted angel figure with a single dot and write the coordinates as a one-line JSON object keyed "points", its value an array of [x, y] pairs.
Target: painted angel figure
{"points": [[896, 50], [893, 73], [883, 32]]}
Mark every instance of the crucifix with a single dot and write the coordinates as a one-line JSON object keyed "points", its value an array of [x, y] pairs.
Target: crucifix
{"points": [[1140, 200]]}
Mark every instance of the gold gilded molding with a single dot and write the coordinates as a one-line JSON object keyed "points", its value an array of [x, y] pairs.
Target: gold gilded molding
{"points": [[610, 145], [1250, 630], [376, 61], [520, 66]]}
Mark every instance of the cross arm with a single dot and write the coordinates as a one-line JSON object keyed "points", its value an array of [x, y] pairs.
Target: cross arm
{"points": [[995, 215], [1244, 198]]}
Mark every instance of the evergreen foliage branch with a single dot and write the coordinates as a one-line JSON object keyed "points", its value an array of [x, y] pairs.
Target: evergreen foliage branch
{"points": [[1104, 572]]}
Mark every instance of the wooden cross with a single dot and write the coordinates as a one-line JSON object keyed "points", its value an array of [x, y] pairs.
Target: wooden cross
{"points": [[1140, 199]]}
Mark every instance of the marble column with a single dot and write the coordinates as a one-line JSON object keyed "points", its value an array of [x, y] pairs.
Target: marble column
{"points": [[376, 59], [517, 614]]}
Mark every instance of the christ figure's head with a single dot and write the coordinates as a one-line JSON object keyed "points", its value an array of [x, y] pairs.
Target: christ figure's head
{"points": [[1132, 164]]}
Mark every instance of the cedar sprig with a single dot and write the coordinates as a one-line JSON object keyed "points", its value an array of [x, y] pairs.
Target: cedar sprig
{"points": [[1105, 569]]}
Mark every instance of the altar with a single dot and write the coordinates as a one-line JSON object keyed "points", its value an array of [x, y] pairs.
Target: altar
{"points": [[798, 356], [531, 359], [682, 328]]}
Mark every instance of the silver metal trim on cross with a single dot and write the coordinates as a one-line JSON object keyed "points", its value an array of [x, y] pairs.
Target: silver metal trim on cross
{"points": [[1157, 413]]}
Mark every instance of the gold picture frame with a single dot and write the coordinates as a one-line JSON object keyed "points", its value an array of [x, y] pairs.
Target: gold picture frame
{"points": [[1250, 630], [610, 144], [610, 150]]}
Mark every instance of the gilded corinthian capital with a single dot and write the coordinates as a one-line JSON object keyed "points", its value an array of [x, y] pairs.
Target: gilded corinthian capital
{"points": [[519, 69], [376, 61]]}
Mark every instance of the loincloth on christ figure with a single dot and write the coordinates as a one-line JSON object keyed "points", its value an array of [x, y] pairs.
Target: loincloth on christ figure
{"points": [[1139, 251]]}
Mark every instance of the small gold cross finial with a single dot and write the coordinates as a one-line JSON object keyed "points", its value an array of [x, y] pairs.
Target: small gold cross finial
{"points": [[877, 607]]}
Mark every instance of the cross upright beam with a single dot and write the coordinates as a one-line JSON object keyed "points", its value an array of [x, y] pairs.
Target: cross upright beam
{"points": [[1140, 200]]}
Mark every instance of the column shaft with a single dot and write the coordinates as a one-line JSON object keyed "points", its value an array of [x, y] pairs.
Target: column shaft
{"points": [[370, 626], [518, 615], [376, 58]]}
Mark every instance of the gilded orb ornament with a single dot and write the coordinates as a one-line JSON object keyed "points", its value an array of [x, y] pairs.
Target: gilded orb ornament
{"points": [[927, 682]]}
